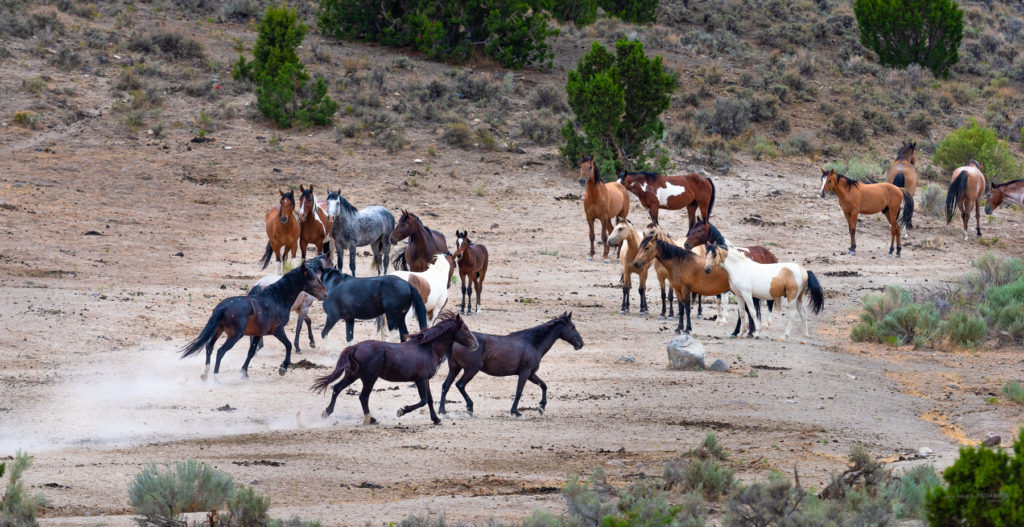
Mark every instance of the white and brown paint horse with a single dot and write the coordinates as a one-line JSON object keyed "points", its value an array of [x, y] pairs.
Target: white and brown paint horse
{"points": [[432, 284], [966, 190], [689, 191], [1012, 191], [787, 283], [315, 225]]}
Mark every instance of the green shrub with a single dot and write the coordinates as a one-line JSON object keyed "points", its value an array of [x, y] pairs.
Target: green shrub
{"points": [[580, 12], [1004, 307], [910, 490], [963, 329], [730, 117], [636, 11], [933, 201], [541, 128], [905, 32], [981, 143], [458, 134], [247, 508], [160, 498], [616, 102], [894, 318], [17, 507], [280, 77], [294, 521], [1014, 390], [171, 45], [848, 129], [861, 169], [984, 487]]}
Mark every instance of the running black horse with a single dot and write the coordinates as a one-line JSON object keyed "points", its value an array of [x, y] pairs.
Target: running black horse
{"points": [[517, 353], [415, 360], [350, 298], [264, 313]]}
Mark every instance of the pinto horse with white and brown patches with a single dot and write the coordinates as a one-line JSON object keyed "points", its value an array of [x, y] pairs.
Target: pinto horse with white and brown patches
{"points": [[1012, 191], [966, 190], [282, 231], [903, 170], [601, 201], [690, 191], [863, 198], [472, 258], [314, 222], [782, 282]]}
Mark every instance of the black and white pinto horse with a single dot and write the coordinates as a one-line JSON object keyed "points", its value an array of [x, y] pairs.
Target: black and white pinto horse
{"points": [[353, 228]]}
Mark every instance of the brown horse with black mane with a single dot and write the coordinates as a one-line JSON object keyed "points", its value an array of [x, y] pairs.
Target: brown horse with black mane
{"points": [[282, 231], [602, 201], [1012, 191], [656, 191], [863, 198], [424, 243], [966, 190], [903, 170]]}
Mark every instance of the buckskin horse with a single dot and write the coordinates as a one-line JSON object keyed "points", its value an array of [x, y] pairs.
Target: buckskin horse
{"points": [[602, 202], [965, 191], [690, 191]]}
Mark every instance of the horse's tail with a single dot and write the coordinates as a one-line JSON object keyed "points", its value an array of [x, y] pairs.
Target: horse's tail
{"points": [[711, 201], [205, 336], [346, 363], [898, 180], [817, 296], [907, 214], [398, 262], [265, 261], [956, 190], [420, 307]]}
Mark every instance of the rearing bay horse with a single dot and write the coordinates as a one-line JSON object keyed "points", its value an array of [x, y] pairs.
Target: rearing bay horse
{"points": [[965, 190], [656, 191], [424, 243], [903, 170], [602, 201], [863, 198], [1012, 191]]}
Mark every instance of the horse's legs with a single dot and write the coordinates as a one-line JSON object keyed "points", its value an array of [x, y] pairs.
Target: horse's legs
{"points": [[364, 400], [430, 402], [259, 342], [606, 229], [851, 220], [627, 284], [453, 372], [469, 297], [691, 211], [789, 316], [523, 375], [350, 325], [965, 214], [768, 316], [748, 302], [421, 388], [803, 314], [375, 247], [977, 216], [894, 234], [224, 349], [543, 391], [671, 302], [352, 257], [209, 351], [403, 330], [280, 335], [347, 380], [387, 253], [679, 299], [694, 297], [462, 282], [479, 283], [590, 224], [252, 353], [309, 328], [298, 333]]}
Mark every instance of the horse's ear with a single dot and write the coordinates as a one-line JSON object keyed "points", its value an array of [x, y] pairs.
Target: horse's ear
{"points": [[281, 191], [569, 316], [823, 171], [302, 188]]}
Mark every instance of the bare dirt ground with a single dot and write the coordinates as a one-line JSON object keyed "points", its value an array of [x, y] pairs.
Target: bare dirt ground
{"points": [[116, 247]]}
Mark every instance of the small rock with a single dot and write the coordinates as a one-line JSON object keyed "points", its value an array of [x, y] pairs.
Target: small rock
{"points": [[685, 353], [719, 365], [992, 440], [624, 359], [226, 408], [254, 482], [180, 254], [417, 160], [925, 452]]}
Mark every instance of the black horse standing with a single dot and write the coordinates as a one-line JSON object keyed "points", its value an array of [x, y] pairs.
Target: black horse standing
{"points": [[517, 353], [350, 298], [265, 313]]}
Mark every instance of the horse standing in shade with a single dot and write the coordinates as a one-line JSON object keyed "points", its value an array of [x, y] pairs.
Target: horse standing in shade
{"points": [[472, 258], [601, 201], [903, 171], [282, 231], [862, 198], [314, 222], [1012, 191], [415, 360], [517, 353], [353, 228], [265, 313], [966, 190], [424, 243], [656, 191]]}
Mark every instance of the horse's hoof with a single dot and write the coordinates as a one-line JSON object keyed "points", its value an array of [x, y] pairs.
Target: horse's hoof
{"points": [[401, 412], [312, 344], [368, 420], [204, 377], [851, 253], [282, 370], [671, 317], [516, 414], [623, 311], [436, 421], [590, 258], [245, 376], [605, 260], [661, 317], [541, 410], [442, 411]]}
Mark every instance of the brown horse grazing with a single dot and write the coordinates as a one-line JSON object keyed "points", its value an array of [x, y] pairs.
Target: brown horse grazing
{"points": [[1012, 191], [517, 353], [686, 274], [424, 243], [282, 231], [656, 192], [965, 190], [313, 220], [264, 313], [472, 259], [903, 171], [416, 360], [602, 201], [862, 198]]}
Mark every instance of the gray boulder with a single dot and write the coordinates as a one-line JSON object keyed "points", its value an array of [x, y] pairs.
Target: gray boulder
{"points": [[685, 353], [719, 365]]}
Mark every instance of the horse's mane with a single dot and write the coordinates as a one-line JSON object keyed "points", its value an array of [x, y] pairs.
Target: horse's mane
{"points": [[445, 323], [715, 235], [597, 173], [287, 281], [536, 333], [345, 205], [900, 155], [849, 182], [673, 252], [997, 185], [331, 274], [291, 197], [649, 176]]}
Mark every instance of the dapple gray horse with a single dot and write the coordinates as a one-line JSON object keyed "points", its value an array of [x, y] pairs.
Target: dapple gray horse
{"points": [[353, 228]]}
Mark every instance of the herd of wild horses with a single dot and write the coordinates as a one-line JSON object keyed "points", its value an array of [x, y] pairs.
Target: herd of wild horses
{"points": [[704, 264]]}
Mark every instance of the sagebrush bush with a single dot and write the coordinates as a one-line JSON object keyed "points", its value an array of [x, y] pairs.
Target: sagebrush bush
{"points": [[683, 136], [933, 201], [860, 169], [1004, 307], [965, 330], [549, 97], [910, 490], [18, 508], [973, 141], [729, 118], [248, 508], [799, 143], [160, 498], [458, 134], [848, 129], [541, 128], [27, 118], [170, 45], [1014, 390]]}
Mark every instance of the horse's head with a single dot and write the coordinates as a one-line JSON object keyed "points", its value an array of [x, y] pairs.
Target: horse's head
{"points": [[464, 336], [829, 178], [908, 152], [993, 198], [307, 202], [333, 204], [623, 229], [461, 243], [699, 234], [588, 170], [714, 256], [648, 251], [287, 205], [976, 164], [405, 226], [312, 282], [568, 331]]}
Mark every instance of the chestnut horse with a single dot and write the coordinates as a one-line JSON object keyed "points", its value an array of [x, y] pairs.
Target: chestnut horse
{"points": [[602, 201], [424, 243], [686, 274], [965, 191], [656, 192], [870, 198], [472, 259], [313, 220], [282, 231], [1012, 191], [903, 172]]}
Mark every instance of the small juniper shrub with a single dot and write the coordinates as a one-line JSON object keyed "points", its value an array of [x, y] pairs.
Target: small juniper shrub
{"points": [[977, 476]]}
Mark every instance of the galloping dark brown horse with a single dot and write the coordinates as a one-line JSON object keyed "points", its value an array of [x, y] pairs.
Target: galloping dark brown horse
{"points": [[414, 360], [966, 190], [602, 202], [313, 220], [282, 231], [903, 172], [424, 243], [472, 259], [517, 353], [656, 191]]}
